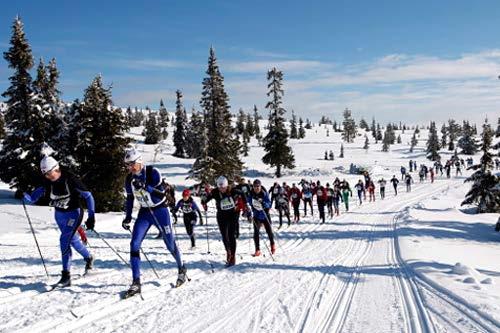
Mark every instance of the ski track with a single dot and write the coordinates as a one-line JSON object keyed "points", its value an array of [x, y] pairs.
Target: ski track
{"points": [[313, 286]]}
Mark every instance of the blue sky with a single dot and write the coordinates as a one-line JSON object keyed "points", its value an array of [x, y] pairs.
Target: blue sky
{"points": [[389, 59]]}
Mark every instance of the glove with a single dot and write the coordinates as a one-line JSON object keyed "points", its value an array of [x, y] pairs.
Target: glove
{"points": [[126, 223], [248, 214], [27, 198], [19, 194], [175, 217], [90, 223], [138, 185]]}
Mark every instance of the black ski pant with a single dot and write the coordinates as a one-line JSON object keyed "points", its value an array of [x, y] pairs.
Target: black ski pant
{"points": [[189, 223], [382, 192], [283, 210], [296, 210], [226, 220], [308, 201], [321, 208], [329, 206], [257, 223], [395, 189]]}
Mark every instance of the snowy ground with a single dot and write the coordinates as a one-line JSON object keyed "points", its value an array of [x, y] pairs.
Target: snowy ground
{"points": [[417, 262]]}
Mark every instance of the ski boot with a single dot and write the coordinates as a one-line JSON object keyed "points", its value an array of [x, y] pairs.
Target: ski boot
{"points": [[181, 277], [65, 280], [135, 288], [89, 264], [257, 253], [273, 248], [231, 261]]}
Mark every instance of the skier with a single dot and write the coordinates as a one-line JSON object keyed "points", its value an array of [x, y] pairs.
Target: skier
{"points": [[410, 163], [447, 167], [371, 191], [259, 200], [408, 181], [307, 197], [189, 210], [321, 197], [403, 172], [360, 188], [336, 197], [395, 183], [329, 201], [226, 198], [296, 196], [421, 174], [65, 190], [431, 171], [144, 184], [458, 168], [281, 205], [346, 189], [382, 183]]}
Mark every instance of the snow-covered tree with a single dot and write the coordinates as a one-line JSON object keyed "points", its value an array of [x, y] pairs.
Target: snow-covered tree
{"points": [[467, 142], [413, 142], [302, 131], [278, 152], [444, 134], [152, 132], [433, 143], [195, 137], [453, 133], [101, 145], [294, 134], [349, 127], [485, 190], [180, 127], [2, 126], [364, 125], [240, 122], [341, 151], [366, 146]]}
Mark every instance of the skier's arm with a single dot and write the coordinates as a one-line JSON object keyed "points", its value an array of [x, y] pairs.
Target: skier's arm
{"points": [[266, 202], [89, 199], [129, 203], [35, 195], [156, 181], [195, 207]]}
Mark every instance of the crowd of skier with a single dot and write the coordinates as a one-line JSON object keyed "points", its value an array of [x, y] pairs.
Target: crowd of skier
{"points": [[243, 198]]}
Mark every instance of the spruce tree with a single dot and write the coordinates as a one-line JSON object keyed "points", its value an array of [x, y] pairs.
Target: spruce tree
{"points": [[341, 151], [467, 142], [222, 149], [373, 129], [256, 118], [433, 143], [180, 127], [240, 122], [195, 137], [278, 153], [453, 133], [245, 149], [308, 124], [413, 142], [379, 136], [302, 131], [2, 126], [364, 125], [444, 134], [152, 131], [294, 134], [349, 127], [100, 146], [485, 190], [386, 142], [249, 126], [163, 115], [399, 139], [366, 146], [24, 118]]}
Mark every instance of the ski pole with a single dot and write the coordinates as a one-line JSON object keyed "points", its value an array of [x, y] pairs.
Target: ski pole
{"points": [[145, 256], [112, 248], [34, 236]]}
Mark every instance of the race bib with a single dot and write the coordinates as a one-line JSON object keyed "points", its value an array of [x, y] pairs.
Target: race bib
{"points": [[227, 203], [62, 203], [294, 195], [187, 209], [257, 205], [308, 195], [144, 198]]}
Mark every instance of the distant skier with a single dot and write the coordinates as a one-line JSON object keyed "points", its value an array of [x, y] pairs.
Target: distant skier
{"points": [[458, 168], [395, 183], [403, 172], [307, 195], [336, 198], [371, 191], [321, 198], [245, 188], [259, 201], [360, 188], [225, 198], [65, 191], [296, 197], [190, 210], [408, 181], [329, 200], [346, 190], [431, 172], [281, 205], [144, 184], [410, 164], [382, 183]]}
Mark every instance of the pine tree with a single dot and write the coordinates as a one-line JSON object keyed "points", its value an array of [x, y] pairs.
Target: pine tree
{"points": [[249, 128], [101, 144], [129, 116], [278, 152], [293, 127], [433, 143], [379, 133], [364, 125], [24, 118], [399, 139], [240, 122], [256, 118], [308, 124], [444, 134], [180, 127], [497, 134], [302, 131], [222, 149], [2, 126], [373, 129], [453, 133], [386, 142], [349, 125], [195, 137], [485, 190], [152, 130], [391, 134], [367, 143], [413, 142], [163, 115], [467, 142], [341, 151]]}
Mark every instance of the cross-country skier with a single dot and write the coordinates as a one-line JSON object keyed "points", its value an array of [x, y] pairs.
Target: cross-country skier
{"points": [[65, 191], [295, 196], [329, 200], [431, 172], [225, 198], [144, 184], [371, 191], [395, 183], [307, 195], [403, 172], [408, 181], [245, 188], [321, 198], [410, 164], [189, 209], [346, 190], [360, 187], [382, 183], [336, 198], [281, 204], [259, 200]]}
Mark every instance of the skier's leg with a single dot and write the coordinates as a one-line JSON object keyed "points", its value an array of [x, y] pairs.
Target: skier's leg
{"points": [[256, 227], [163, 218], [232, 234], [280, 211], [223, 230], [269, 231], [141, 227]]}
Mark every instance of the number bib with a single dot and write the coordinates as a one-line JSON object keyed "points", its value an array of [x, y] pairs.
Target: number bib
{"points": [[294, 195], [186, 208], [60, 201], [227, 203], [144, 198], [308, 195], [257, 205]]}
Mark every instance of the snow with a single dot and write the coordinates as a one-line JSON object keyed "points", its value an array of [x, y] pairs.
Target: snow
{"points": [[416, 262]]}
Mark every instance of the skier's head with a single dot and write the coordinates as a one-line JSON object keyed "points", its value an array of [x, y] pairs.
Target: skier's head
{"points": [[186, 194], [50, 168], [222, 183], [257, 185], [133, 161]]}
